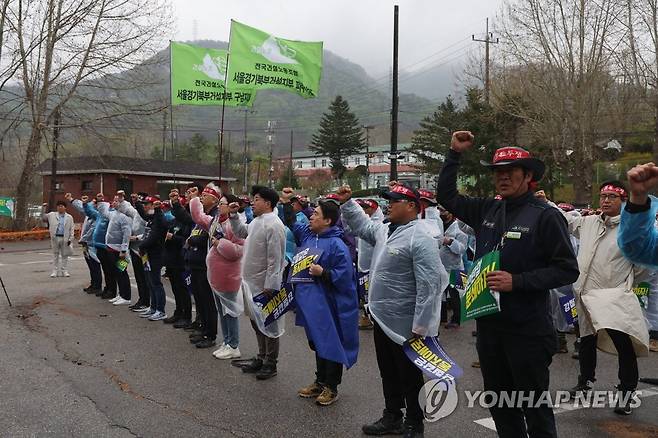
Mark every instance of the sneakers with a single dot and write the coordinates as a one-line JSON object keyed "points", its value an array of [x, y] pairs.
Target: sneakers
{"points": [[267, 371], [53, 274], [172, 319], [227, 352], [310, 391], [121, 302], [140, 308], [112, 300], [157, 316], [623, 403], [583, 387], [194, 326], [206, 342], [65, 274], [197, 338], [147, 314], [389, 424], [182, 323], [93, 291], [327, 397], [475, 364]]}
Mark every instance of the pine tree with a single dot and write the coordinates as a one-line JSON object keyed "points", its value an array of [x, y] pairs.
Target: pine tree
{"points": [[287, 178], [339, 136]]}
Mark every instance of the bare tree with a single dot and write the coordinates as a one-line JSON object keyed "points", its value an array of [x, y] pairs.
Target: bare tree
{"points": [[65, 50], [559, 66]]}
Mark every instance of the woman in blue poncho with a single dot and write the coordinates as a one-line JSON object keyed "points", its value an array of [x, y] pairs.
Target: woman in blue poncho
{"points": [[328, 307]]}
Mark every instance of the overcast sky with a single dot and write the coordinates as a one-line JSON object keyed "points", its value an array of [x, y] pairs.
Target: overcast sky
{"points": [[359, 30]]}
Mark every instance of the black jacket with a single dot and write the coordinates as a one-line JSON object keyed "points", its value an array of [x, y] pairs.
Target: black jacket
{"points": [[540, 259], [173, 248], [153, 243], [196, 246]]}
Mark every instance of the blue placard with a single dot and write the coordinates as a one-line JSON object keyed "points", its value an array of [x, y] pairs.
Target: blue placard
{"points": [[187, 279], [275, 307], [568, 304], [299, 269], [428, 355]]}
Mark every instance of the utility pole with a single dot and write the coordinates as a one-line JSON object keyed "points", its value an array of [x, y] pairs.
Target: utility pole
{"points": [[368, 128], [488, 40], [164, 135], [394, 110], [270, 141], [291, 169], [53, 163]]}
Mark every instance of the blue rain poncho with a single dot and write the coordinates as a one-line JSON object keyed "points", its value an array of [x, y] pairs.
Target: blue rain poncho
{"points": [[407, 278], [329, 312], [637, 237]]}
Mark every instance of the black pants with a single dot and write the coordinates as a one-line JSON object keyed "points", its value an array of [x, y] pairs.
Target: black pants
{"points": [[182, 297], [517, 362], [628, 373], [94, 272], [401, 379], [109, 270], [327, 372], [454, 304], [206, 308], [140, 279], [121, 277]]}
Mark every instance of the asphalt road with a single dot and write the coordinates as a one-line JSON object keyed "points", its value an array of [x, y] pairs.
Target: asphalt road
{"points": [[74, 365]]}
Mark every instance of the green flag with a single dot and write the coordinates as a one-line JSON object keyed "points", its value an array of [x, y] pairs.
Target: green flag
{"points": [[197, 78], [478, 300], [263, 61], [7, 206]]}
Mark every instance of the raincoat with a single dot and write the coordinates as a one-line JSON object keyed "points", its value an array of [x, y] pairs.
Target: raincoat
{"points": [[452, 255], [604, 295], [365, 249], [407, 278], [263, 263], [329, 310], [138, 225], [119, 228], [87, 230], [224, 260]]}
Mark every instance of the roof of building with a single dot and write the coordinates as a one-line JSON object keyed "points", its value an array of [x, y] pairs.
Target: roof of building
{"points": [[371, 149], [135, 166], [374, 169]]}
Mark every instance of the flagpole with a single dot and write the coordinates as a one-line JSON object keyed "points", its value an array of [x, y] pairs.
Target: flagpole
{"points": [[221, 125], [171, 106]]}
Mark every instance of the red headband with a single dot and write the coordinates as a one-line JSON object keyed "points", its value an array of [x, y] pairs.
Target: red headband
{"points": [[404, 191], [510, 154], [426, 194], [211, 192], [618, 190], [369, 203]]}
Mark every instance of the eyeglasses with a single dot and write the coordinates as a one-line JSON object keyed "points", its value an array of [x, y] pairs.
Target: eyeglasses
{"points": [[612, 197]]}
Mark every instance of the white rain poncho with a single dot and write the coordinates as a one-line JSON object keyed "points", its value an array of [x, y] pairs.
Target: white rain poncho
{"points": [[407, 278], [119, 228], [452, 256], [263, 263], [365, 249], [138, 225]]}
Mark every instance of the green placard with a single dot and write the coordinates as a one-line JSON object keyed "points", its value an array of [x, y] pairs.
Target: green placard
{"points": [[262, 61], [642, 292], [197, 78], [7, 207], [478, 300]]}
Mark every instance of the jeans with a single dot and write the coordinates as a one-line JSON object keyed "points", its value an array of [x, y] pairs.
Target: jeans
{"points": [[230, 325], [121, 277], [94, 272], [628, 372], [517, 362], [401, 379], [154, 279]]}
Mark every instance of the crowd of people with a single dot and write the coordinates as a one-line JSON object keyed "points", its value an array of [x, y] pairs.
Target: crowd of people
{"points": [[224, 252]]}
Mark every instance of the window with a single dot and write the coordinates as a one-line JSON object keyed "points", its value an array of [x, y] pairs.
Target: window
{"points": [[87, 186], [357, 160], [324, 163], [313, 163], [346, 161], [59, 186], [299, 165], [125, 184]]}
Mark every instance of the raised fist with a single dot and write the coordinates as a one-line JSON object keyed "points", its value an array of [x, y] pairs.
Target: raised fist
{"points": [[233, 207], [68, 197], [344, 193], [85, 198], [461, 141], [641, 180]]}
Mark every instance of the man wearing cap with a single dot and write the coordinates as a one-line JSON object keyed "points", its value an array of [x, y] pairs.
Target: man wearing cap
{"points": [[364, 255], [453, 248], [430, 210], [516, 345], [406, 270], [609, 314]]}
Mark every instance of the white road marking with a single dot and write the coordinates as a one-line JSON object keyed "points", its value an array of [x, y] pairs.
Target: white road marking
{"points": [[645, 393]]}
